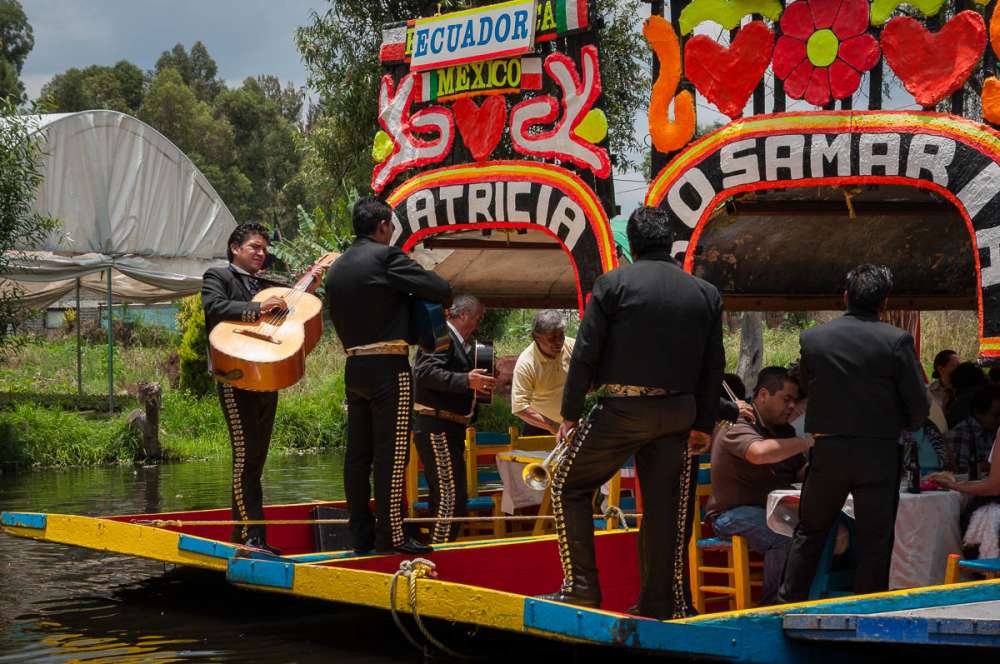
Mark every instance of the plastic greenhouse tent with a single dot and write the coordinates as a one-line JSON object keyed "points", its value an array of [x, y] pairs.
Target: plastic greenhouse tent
{"points": [[139, 221]]}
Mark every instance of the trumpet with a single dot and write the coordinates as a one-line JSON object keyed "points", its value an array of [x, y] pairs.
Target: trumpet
{"points": [[537, 475]]}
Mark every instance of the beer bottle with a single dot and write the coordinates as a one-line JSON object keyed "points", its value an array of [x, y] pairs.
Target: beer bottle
{"points": [[912, 465]]}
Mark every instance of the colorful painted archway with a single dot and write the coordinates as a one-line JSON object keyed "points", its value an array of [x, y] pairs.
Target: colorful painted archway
{"points": [[956, 158], [509, 194]]}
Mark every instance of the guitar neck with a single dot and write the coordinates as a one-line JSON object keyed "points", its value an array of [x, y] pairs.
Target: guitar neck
{"points": [[306, 284]]}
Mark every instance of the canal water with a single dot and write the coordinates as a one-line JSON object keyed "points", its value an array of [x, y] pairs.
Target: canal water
{"points": [[61, 604]]}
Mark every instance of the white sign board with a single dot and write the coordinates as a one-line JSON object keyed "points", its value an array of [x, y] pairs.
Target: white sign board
{"points": [[484, 33]]}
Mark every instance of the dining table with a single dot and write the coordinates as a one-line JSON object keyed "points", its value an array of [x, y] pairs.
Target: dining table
{"points": [[926, 532]]}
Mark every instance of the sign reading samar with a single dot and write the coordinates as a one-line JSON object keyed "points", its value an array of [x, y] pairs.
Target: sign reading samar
{"points": [[485, 33]]}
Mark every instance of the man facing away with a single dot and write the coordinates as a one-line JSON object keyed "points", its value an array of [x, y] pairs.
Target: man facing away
{"points": [[540, 374], [445, 397], [865, 388], [226, 295], [368, 294], [755, 456], [651, 339]]}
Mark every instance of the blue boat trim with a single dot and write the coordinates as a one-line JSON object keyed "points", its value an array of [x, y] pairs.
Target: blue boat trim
{"points": [[910, 630], [23, 520], [255, 572], [206, 547], [629, 632]]}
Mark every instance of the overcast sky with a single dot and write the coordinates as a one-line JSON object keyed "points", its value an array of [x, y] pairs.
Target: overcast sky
{"points": [[245, 37]]}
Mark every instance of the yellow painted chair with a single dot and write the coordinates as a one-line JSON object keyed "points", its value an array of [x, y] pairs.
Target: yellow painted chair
{"points": [[990, 567], [739, 572], [417, 488]]}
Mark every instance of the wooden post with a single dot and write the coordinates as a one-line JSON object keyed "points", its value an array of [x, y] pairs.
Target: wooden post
{"points": [[751, 347], [148, 422]]}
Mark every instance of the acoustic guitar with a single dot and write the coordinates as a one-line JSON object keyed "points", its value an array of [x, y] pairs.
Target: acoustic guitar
{"points": [[428, 324], [270, 354]]}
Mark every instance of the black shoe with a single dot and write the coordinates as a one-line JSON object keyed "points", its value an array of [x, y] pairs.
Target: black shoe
{"points": [[409, 547], [261, 545], [570, 598]]}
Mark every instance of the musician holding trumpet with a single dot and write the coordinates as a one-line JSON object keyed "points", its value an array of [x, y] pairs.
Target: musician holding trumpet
{"points": [[651, 342], [445, 386], [227, 295]]}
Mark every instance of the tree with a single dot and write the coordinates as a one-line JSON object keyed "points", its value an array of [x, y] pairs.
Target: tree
{"points": [[198, 70], [16, 41], [117, 88], [21, 227], [340, 50]]}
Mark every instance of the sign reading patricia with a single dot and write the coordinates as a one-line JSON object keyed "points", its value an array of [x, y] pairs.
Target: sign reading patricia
{"points": [[485, 33]]}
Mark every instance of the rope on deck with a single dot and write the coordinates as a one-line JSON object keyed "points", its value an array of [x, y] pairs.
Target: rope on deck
{"points": [[413, 570]]}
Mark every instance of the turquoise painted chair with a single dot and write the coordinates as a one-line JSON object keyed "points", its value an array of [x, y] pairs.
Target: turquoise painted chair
{"points": [[989, 567]]}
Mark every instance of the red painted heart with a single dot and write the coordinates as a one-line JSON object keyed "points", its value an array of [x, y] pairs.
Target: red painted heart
{"points": [[933, 65], [481, 126], [728, 76]]}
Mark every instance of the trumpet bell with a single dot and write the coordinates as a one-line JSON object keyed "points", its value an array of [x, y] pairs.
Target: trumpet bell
{"points": [[536, 476]]}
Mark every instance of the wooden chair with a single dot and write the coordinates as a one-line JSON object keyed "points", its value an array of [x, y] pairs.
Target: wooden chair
{"points": [[481, 448], [417, 488], [990, 567], [737, 569]]}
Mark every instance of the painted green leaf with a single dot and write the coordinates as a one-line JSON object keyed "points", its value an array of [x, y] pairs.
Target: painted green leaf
{"points": [[726, 13], [882, 9]]}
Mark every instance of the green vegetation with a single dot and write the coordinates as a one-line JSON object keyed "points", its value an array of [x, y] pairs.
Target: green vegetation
{"points": [[193, 350], [43, 423]]}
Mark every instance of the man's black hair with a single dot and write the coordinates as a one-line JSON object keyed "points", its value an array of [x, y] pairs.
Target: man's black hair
{"points": [[868, 286], [982, 400], [649, 230], [773, 379], [368, 213], [735, 383], [967, 377], [941, 359], [242, 233]]}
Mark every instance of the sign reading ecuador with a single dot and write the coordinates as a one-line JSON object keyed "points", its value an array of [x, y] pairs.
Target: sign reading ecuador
{"points": [[496, 31]]}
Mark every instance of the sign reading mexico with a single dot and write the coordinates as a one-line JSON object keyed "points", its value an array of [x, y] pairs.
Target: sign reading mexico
{"points": [[496, 31]]}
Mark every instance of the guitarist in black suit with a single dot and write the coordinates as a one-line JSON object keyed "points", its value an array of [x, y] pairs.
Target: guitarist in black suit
{"points": [[368, 292], [444, 401], [226, 295]]}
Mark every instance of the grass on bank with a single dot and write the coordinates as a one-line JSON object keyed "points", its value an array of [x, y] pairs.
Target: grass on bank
{"points": [[310, 414]]}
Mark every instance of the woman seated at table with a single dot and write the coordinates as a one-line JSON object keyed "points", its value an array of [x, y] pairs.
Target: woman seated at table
{"points": [[981, 519]]}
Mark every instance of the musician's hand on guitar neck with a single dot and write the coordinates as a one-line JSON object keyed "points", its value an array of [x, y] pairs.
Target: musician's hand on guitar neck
{"points": [[273, 305], [316, 272], [480, 381]]}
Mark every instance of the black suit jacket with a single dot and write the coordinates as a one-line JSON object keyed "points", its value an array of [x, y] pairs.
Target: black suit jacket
{"points": [[224, 296], [650, 324], [862, 378], [368, 293], [442, 379]]}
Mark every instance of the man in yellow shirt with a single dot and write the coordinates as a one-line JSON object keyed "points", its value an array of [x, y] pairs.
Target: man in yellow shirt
{"points": [[540, 373]]}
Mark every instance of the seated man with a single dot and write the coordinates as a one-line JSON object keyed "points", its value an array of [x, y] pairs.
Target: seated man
{"points": [[540, 373], [751, 459], [972, 438]]}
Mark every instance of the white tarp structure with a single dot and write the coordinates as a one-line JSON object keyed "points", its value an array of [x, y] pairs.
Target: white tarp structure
{"points": [[127, 199]]}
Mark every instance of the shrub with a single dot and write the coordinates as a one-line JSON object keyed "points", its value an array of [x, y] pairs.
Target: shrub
{"points": [[193, 349], [33, 434]]}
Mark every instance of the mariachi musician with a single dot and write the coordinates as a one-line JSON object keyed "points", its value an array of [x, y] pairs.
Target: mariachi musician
{"points": [[444, 400], [226, 295], [368, 293], [651, 339]]}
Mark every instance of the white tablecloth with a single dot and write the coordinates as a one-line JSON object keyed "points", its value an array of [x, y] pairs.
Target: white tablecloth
{"points": [[927, 530], [516, 493]]}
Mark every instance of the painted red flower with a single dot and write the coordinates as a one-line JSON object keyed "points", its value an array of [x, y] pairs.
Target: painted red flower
{"points": [[824, 48]]}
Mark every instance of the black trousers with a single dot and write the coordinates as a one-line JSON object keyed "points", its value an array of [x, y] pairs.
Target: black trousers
{"points": [[250, 420], [379, 400], [532, 430], [655, 430], [441, 445], [869, 469]]}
